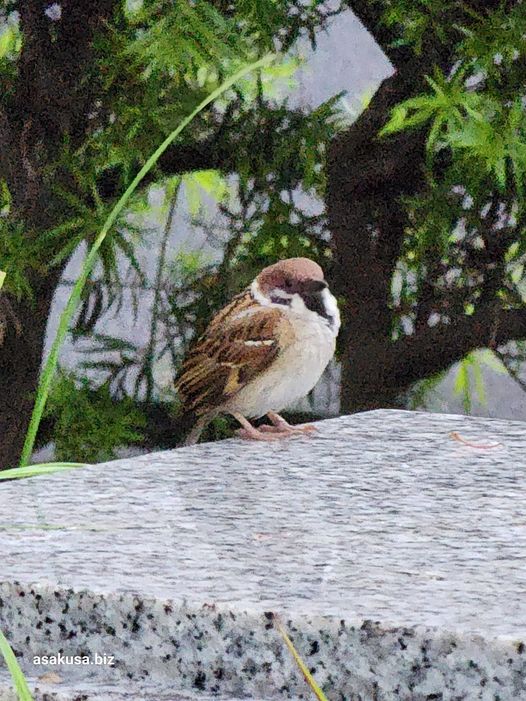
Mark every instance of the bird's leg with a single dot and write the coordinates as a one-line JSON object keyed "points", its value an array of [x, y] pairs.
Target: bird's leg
{"points": [[251, 432], [279, 425]]}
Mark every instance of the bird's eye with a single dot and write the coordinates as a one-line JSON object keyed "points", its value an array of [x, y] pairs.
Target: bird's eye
{"points": [[288, 283]]}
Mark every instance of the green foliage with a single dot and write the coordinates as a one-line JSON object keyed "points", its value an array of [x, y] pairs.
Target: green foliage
{"points": [[66, 316], [494, 43], [10, 45], [19, 258], [480, 135], [10, 42], [218, 429], [421, 393], [192, 292], [152, 69], [89, 424], [484, 135], [469, 384], [180, 38], [288, 148], [477, 113], [464, 250], [416, 21]]}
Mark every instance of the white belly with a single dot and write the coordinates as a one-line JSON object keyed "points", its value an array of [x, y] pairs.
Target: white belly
{"points": [[293, 374]]}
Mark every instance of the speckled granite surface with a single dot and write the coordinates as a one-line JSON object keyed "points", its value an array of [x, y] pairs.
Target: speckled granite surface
{"points": [[395, 555]]}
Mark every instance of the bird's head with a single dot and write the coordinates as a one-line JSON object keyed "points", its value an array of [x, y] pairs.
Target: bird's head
{"points": [[299, 284]]}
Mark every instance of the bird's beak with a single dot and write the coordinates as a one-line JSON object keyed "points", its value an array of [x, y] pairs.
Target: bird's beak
{"points": [[312, 287]]}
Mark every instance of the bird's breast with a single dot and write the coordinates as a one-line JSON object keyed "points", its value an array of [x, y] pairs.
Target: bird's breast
{"points": [[308, 346]]}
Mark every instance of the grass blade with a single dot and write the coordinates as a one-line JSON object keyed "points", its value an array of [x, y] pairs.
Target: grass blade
{"points": [[89, 261], [17, 675], [46, 468], [2, 278], [301, 664]]}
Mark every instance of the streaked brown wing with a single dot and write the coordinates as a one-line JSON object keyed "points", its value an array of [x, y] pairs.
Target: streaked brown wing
{"points": [[229, 355]]}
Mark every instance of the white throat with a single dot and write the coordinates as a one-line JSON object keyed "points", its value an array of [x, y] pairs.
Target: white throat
{"points": [[331, 307]]}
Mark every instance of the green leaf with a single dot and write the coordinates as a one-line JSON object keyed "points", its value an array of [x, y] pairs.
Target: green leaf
{"points": [[517, 273], [89, 424], [47, 468], [480, 387], [396, 122], [212, 182], [489, 358], [301, 664], [499, 168], [461, 386], [9, 40], [22, 689]]}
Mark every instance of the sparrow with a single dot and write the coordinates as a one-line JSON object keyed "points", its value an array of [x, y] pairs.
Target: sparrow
{"points": [[262, 352]]}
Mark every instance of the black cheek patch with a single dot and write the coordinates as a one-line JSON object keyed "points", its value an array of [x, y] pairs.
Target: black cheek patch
{"points": [[315, 304]]}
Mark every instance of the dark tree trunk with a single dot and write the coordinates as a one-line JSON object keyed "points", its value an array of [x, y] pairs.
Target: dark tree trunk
{"points": [[365, 382], [47, 105], [20, 361], [367, 178]]}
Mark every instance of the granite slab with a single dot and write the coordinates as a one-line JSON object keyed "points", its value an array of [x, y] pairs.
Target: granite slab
{"points": [[394, 554]]}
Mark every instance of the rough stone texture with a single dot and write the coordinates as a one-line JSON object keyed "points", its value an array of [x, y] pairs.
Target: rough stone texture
{"points": [[395, 555]]}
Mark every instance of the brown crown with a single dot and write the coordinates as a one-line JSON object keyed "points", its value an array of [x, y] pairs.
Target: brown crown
{"points": [[289, 274]]}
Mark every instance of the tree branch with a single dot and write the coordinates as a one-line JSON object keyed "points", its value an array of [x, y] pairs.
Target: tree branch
{"points": [[512, 372], [177, 159], [437, 348], [370, 15]]}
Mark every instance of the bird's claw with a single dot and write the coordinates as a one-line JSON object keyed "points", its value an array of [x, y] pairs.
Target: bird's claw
{"points": [[257, 435], [287, 429]]}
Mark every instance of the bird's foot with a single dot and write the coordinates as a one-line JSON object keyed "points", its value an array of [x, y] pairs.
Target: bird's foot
{"points": [[265, 428], [279, 425], [256, 435], [279, 429], [249, 432], [288, 430]]}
